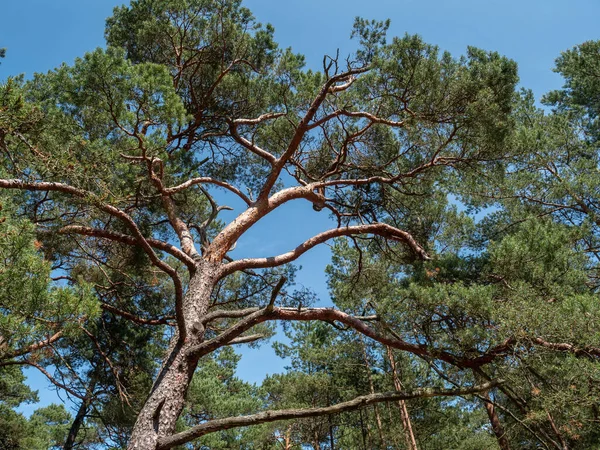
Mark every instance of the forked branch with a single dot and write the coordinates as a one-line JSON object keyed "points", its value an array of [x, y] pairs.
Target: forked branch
{"points": [[208, 180], [302, 128]]}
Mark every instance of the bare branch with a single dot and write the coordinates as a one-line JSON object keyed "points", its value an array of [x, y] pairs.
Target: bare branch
{"points": [[53, 380], [275, 292], [33, 347], [130, 240], [134, 318], [565, 347], [215, 210], [228, 314], [232, 232], [330, 315], [179, 226], [303, 126], [208, 180], [250, 145], [439, 161], [246, 339], [356, 114], [120, 388], [349, 81], [380, 229], [259, 119], [287, 414]]}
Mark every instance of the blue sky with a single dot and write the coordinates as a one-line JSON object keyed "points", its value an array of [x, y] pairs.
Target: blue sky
{"points": [[41, 34]]}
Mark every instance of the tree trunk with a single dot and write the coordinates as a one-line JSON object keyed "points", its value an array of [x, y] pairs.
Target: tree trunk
{"points": [[393, 436], [406, 422], [372, 389], [362, 430], [159, 415], [78, 421], [331, 437], [497, 427], [288, 438], [316, 445]]}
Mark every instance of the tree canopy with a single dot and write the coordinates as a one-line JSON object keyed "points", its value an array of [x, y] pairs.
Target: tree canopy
{"points": [[464, 235]]}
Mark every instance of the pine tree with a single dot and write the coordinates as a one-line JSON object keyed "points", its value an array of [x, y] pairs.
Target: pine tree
{"points": [[116, 170]]}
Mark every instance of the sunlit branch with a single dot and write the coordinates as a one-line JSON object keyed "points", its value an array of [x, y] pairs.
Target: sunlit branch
{"points": [[287, 414], [215, 210], [250, 145], [246, 339], [326, 315], [439, 161], [355, 114], [259, 119], [32, 348], [380, 229], [231, 233], [566, 347], [228, 314], [179, 226]]}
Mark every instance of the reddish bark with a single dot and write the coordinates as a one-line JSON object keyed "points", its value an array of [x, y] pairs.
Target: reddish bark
{"points": [[409, 435]]}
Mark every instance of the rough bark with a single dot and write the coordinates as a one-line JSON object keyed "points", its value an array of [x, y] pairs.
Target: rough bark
{"points": [[287, 439], [158, 417], [331, 435], [316, 444], [490, 409]]}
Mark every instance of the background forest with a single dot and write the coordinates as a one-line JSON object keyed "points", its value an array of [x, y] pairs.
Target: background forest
{"points": [[462, 214]]}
